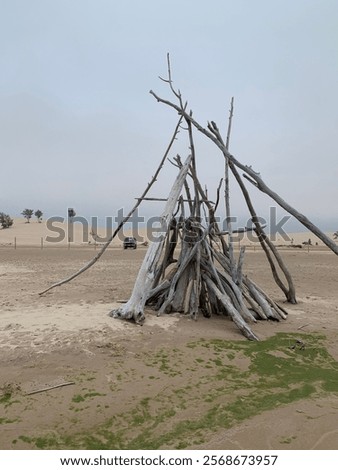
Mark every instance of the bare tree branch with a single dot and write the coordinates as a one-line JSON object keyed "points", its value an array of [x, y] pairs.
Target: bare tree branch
{"points": [[261, 185], [217, 193]]}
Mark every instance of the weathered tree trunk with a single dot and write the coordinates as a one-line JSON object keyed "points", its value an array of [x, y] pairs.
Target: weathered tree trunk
{"points": [[134, 308]]}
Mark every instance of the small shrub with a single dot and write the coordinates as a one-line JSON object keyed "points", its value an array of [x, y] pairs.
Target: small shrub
{"points": [[5, 220]]}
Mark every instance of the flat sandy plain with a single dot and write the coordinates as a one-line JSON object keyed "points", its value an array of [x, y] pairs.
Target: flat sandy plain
{"points": [[172, 383]]}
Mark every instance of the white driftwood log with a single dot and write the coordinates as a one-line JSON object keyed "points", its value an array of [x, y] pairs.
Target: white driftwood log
{"points": [[237, 319], [134, 308]]}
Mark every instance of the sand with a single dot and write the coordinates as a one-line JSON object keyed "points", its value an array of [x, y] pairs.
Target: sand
{"points": [[56, 234], [34, 233], [67, 335]]}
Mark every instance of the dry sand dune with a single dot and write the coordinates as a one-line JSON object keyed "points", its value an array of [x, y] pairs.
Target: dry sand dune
{"points": [[57, 234], [54, 234], [172, 383]]}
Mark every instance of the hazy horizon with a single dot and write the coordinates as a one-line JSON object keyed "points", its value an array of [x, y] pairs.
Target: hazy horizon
{"points": [[78, 127]]}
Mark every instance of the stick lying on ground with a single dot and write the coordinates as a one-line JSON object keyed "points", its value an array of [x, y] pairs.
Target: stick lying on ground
{"points": [[46, 389]]}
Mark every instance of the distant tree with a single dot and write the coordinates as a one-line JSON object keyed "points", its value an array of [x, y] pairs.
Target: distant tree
{"points": [[27, 213], [335, 235], [5, 220], [71, 213], [38, 214]]}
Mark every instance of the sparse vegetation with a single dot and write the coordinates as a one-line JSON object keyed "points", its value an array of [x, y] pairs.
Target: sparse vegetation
{"points": [[272, 373], [27, 213], [5, 220]]}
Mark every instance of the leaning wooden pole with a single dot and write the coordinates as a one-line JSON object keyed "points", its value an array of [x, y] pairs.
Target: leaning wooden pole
{"points": [[256, 178], [233, 268], [290, 291], [134, 308], [235, 316], [123, 221]]}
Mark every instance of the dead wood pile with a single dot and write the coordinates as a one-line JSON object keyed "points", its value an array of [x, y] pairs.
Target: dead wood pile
{"points": [[192, 267]]}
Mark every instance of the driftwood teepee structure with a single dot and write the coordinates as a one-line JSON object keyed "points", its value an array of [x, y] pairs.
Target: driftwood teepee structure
{"points": [[206, 277], [192, 267]]}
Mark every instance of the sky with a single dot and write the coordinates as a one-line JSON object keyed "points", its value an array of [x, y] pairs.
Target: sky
{"points": [[78, 127]]}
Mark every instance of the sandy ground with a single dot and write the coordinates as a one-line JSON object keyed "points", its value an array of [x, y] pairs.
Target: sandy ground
{"points": [[67, 336]]}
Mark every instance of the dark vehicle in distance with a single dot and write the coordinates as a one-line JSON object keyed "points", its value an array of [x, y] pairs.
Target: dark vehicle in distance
{"points": [[129, 242]]}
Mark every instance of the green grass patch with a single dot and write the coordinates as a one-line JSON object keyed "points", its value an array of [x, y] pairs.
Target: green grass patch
{"points": [[6, 398], [8, 421], [94, 394], [217, 395], [78, 399]]}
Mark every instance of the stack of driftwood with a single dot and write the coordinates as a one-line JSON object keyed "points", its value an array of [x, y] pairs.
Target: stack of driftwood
{"points": [[192, 266]]}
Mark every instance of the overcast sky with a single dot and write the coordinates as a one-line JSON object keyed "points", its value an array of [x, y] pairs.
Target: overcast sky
{"points": [[78, 127]]}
